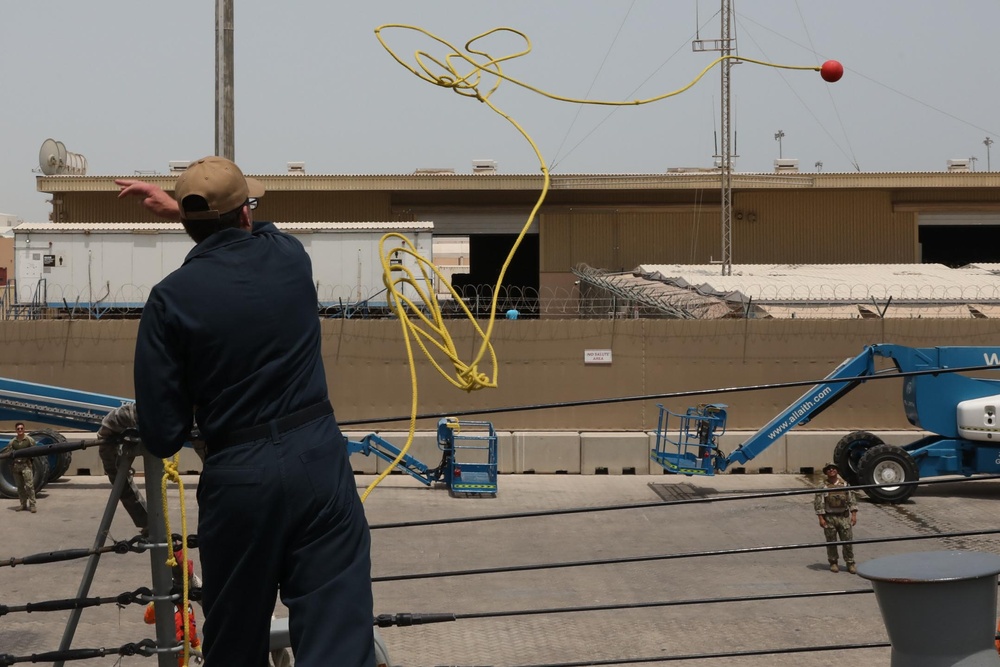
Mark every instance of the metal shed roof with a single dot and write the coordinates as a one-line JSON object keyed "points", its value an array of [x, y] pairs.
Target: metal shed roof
{"points": [[140, 227], [785, 291], [834, 283]]}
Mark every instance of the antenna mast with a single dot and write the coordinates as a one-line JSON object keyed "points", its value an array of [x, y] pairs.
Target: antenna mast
{"points": [[725, 46], [225, 144]]}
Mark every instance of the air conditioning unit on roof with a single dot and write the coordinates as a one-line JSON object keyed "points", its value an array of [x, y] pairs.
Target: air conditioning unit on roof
{"points": [[484, 166], [179, 165], [786, 164], [961, 164]]}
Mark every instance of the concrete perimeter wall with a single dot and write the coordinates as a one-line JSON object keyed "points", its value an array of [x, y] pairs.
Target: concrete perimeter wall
{"points": [[541, 363]]}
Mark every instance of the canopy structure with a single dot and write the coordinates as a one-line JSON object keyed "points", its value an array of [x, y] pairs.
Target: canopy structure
{"points": [[806, 291]]}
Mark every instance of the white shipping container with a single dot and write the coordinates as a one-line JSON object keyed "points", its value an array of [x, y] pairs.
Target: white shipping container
{"points": [[103, 266]]}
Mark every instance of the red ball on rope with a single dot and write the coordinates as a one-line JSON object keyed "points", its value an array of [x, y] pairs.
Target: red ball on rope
{"points": [[831, 71]]}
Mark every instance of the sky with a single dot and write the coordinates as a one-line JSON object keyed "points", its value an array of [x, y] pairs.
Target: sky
{"points": [[130, 85]]}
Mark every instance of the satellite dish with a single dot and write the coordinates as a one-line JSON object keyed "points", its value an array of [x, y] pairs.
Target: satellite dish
{"points": [[55, 160], [48, 157], [62, 152]]}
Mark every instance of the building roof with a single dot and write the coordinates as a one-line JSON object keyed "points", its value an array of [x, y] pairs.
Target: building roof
{"points": [[146, 227], [804, 291], [834, 283], [439, 180]]}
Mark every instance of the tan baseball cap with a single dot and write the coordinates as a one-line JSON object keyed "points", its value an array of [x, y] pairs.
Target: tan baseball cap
{"points": [[217, 181]]}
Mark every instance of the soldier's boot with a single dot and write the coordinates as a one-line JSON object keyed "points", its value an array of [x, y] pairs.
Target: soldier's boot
{"points": [[21, 508], [834, 567], [33, 510], [852, 568]]}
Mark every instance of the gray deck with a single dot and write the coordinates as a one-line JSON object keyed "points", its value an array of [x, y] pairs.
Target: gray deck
{"points": [[69, 511]]}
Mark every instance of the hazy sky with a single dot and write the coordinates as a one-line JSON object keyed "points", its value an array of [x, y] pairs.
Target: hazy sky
{"points": [[130, 85]]}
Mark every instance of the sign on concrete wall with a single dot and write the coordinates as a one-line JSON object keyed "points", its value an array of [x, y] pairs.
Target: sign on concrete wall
{"points": [[597, 356]]}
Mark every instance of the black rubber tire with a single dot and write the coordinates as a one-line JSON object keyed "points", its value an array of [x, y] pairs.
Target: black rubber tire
{"points": [[886, 464], [8, 487], [58, 463], [848, 452]]}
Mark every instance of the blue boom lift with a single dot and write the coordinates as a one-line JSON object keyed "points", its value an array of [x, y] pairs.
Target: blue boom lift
{"points": [[960, 412], [68, 408], [468, 448], [468, 457]]}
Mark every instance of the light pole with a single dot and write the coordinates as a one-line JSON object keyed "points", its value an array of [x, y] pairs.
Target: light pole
{"points": [[819, 165], [972, 161], [725, 45], [988, 142], [225, 114], [778, 136]]}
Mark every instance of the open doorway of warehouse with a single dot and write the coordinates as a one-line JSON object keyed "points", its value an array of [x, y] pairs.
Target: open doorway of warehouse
{"points": [[487, 253], [958, 245]]}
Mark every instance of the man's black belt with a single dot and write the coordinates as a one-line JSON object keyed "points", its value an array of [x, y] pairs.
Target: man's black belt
{"points": [[280, 425]]}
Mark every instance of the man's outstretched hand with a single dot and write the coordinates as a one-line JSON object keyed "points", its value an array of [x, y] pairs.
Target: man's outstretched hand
{"points": [[154, 198]]}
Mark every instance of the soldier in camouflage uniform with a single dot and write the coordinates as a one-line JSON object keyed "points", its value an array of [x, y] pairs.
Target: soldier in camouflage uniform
{"points": [[838, 513], [24, 474], [117, 421]]}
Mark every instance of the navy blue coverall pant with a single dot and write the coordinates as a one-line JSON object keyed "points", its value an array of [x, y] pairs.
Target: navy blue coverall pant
{"points": [[283, 510]]}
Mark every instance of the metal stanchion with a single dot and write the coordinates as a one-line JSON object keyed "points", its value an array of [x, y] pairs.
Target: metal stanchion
{"points": [[158, 554], [124, 464]]}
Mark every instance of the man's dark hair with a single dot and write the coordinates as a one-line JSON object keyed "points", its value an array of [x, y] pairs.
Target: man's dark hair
{"points": [[199, 230], [18, 424]]}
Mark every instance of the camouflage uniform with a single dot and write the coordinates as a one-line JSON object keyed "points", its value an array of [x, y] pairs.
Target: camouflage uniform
{"points": [[114, 422], [24, 473], [836, 507]]}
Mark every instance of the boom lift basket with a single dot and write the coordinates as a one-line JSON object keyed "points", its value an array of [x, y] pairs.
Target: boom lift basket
{"points": [[470, 456], [694, 448]]}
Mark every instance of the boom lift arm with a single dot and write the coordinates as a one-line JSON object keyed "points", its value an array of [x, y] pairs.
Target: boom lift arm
{"points": [[960, 412]]}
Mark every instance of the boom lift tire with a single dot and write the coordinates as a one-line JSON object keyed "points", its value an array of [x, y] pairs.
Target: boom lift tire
{"points": [[8, 487], [885, 464], [848, 452], [58, 463]]}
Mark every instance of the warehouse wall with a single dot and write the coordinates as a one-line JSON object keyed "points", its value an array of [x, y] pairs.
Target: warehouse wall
{"points": [[542, 362]]}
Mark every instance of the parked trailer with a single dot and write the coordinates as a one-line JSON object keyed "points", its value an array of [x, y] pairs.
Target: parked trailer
{"points": [[98, 267]]}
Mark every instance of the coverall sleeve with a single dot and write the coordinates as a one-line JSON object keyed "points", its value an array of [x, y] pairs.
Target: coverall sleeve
{"points": [[166, 412], [819, 504]]}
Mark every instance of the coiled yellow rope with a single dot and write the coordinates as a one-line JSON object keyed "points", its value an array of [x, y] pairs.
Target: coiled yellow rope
{"points": [[423, 328], [170, 473]]}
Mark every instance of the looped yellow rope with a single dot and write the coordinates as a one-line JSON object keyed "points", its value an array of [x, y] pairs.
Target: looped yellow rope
{"points": [[447, 72], [170, 473]]}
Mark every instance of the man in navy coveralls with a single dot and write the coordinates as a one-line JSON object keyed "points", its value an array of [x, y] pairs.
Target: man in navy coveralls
{"points": [[231, 340]]}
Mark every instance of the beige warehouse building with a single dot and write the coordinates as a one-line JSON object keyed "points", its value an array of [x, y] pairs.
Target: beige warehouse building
{"points": [[612, 223]]}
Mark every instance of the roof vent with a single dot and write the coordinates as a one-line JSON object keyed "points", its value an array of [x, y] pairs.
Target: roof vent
{"points": [[786, 165], [296, 167], [179, 165], [484, 166], [961, 164]]}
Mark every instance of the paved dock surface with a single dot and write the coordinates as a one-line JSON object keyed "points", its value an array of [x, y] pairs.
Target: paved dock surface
{"points": [[70, 509]]}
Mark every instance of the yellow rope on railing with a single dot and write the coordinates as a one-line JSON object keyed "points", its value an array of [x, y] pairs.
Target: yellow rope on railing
{"points": [[170, 473]]}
